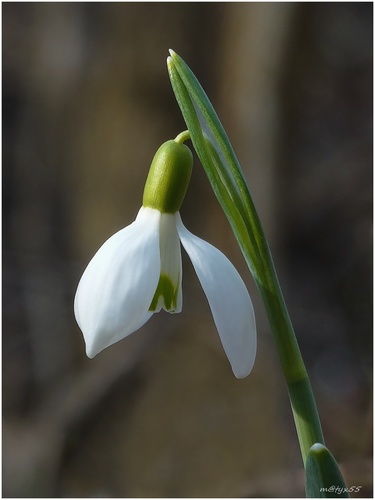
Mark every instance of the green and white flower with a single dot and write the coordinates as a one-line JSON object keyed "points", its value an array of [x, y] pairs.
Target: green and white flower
{"points": [[138, 271]]}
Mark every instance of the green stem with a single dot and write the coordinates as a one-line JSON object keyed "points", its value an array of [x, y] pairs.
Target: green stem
{"points": [[301, 396]]}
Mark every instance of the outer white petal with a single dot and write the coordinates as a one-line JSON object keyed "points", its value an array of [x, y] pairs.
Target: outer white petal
{"points": [[228, 298], [116, 289]]}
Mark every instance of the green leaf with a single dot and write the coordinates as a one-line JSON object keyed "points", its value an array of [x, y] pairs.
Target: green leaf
{"points": [[323, 476]]}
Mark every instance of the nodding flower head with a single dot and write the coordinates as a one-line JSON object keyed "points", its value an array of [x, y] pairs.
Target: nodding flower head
{"points": [[138, 271]]}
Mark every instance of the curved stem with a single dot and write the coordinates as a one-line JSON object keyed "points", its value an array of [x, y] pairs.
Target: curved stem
{"points": [[182, 137]]}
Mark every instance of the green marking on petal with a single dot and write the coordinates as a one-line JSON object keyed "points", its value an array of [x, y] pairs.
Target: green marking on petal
{"points": [[167, 292]]}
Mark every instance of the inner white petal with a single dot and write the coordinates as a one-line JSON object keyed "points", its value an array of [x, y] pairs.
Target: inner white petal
{"points": [[169, 292], [228, 298]]}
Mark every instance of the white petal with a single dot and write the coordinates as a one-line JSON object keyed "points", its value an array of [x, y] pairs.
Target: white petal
{"points": [[116, 289], [228, 298], [170, 265]]}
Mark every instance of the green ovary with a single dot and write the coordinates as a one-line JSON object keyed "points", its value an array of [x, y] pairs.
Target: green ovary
{"points": [[167, 292], [168, 178]]}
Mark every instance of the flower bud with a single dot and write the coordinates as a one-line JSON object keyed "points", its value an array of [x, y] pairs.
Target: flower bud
{"points": [[168, 177]]}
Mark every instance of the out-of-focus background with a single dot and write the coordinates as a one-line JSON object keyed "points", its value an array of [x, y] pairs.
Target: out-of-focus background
{"points": [[86, 103]]}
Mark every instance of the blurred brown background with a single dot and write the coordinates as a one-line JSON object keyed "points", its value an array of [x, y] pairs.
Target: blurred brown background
{"points": [[86, 103]]}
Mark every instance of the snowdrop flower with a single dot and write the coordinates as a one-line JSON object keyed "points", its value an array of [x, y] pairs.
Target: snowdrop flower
{"points": [[138, 271]]}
